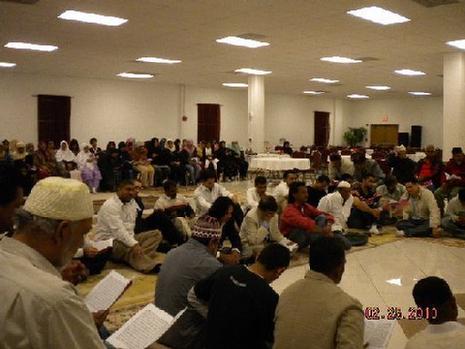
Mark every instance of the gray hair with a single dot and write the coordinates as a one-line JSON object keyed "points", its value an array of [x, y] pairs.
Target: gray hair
{"points": [[29, 223]]}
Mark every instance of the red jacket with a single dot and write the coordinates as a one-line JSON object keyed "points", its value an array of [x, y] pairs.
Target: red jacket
{"points": [[300, 217], [459, 170]]}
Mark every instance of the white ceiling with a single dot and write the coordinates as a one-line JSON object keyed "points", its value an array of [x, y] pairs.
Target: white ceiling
{"points": [[300, 32]]}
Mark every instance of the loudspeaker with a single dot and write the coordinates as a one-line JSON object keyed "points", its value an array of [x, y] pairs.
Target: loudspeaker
{"points": [[403, 138], [415, 138]]}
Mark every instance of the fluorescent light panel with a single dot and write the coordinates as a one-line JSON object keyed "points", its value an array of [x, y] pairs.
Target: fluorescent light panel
{"points": [[378, 87], [158, 60], [7, 65], [418, 93], [314, 93], [252, 71], [378, 15], [409, 72], [32, 47], [338, 59], [457, 43], [235, 84], [135, 75], [94, 18], [238, 41], [324, 80], [357, 96]]}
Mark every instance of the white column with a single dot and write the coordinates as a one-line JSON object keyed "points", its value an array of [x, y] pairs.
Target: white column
{"points": [[454, 103], [256, 109]]}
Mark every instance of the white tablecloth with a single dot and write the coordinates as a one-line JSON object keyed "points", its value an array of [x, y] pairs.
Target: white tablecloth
{"points": [[271, 155], [417, 156], [279, 164]]}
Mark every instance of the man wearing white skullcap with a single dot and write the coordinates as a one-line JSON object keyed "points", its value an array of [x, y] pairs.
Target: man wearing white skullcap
{"points": [[38, 308], [338, 204], [403, 168]]}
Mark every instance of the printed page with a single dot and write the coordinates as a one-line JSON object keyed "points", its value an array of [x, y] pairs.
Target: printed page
{"points": [[106, 292], [378, 333], [102, 245], [143, 329]]}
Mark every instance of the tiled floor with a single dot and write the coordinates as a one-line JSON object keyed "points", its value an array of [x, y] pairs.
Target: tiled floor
{"points": [[384, 276]]}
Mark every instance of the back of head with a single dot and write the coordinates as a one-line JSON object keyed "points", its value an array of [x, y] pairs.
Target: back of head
{"points": [[207, 174], [124, 183], [268, 204], [323, 179], [326, 255], [169, 184], [434, 293], [9, 184], [335, 157], [260, 180], [205, 229], [274, 256], [220, 207]]}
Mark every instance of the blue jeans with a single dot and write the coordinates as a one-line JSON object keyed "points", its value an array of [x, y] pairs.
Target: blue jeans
{"points": [[303, 238], [456, 230], [415, 227]]}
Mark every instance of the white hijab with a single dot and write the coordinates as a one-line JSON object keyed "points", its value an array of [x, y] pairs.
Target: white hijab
{"points": [[83, 156], [64, 155]]}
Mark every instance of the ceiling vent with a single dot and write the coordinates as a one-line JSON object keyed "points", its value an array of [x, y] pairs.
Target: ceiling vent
{"points": [[435, 3], [25, 2]]}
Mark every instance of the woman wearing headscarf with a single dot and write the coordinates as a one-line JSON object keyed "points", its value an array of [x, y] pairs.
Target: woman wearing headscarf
{"points": [[74, 146], [87, 164], [188, 158]]}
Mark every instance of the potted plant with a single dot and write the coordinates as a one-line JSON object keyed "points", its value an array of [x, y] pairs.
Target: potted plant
{"points": [[355, 136]]}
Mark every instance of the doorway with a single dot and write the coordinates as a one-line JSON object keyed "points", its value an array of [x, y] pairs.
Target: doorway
{"points": [[321, 128], [208, 122], [384, 135], [53, 114]]}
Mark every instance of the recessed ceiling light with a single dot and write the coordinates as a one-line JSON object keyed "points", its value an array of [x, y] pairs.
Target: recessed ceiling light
{"points": [[252, 71], [409, 72], [324, 80], [356, 96], [33, 47], [237, 41], [136, 75], [378, 88], [7, 65], [158, 60], [314, 93], [378, 15], [418, 93], [94, 18], [457, 43], [338, 59], [235, 84]]}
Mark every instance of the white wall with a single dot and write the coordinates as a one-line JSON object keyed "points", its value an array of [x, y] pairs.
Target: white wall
{"points": [[292, 117], [426, 112], [118, 109]]}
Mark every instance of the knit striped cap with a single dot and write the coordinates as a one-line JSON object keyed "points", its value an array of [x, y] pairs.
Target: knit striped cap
{"points": [[207, 227]]}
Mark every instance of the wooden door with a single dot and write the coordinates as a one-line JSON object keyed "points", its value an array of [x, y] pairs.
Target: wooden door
{"points": [[384, 135], [321, 128], [53, 113], [208, 122]]}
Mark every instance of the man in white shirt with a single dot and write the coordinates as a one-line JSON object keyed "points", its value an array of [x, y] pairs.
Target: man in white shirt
{"points": [[339, 205], [339, 166], [176, 207], [39, 309], [437, 303], [116, 220], [281, 192], [454, 220], [255, 194], [208, 191], [260, 227]]}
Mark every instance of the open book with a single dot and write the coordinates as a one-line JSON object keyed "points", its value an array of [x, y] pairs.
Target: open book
{"points": [[378, 333], [107, 292], [102, 244], [143, 329]]}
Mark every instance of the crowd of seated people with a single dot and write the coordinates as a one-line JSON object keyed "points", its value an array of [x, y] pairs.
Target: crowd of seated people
{"points": [[225, 286], [151, 162]]}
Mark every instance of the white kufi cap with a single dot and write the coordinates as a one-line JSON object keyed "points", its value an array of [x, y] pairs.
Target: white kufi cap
{"points": [[61, 199], [344, 184]]}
